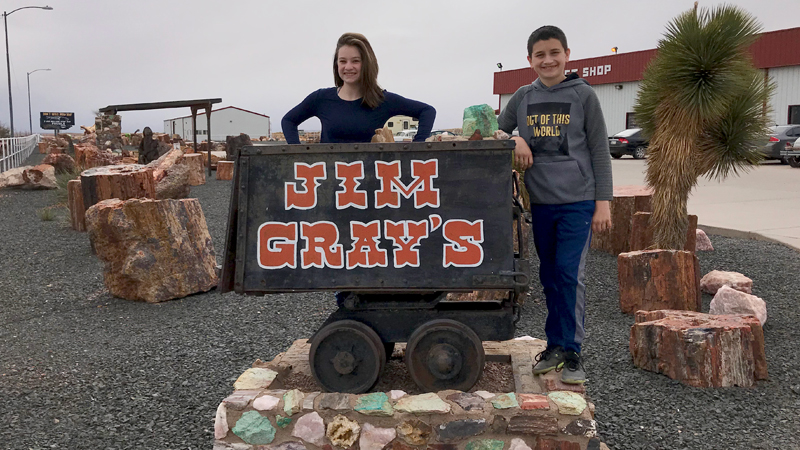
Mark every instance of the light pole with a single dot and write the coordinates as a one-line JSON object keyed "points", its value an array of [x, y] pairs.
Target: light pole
{"points": [[8, 62], [30, 117]]}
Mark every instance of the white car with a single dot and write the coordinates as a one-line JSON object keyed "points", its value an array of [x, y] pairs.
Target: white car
{"points": [[792, 154], [405, 136]]}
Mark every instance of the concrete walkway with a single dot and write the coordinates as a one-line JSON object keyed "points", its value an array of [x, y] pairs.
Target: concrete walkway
{"points": [[761, 204]]}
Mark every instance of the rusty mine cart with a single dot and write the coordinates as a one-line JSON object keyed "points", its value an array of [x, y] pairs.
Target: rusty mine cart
{"points": [[392, 228]]}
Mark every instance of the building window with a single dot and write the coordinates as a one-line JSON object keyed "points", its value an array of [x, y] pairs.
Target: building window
{"points": [[794, 114], [390, 124], [630, 120]]}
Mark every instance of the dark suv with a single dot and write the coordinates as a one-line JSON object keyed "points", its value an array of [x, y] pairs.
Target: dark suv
{"points": [[628, 142]]}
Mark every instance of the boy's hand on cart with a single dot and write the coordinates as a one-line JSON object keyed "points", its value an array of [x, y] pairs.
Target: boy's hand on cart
{"points": [[522, 153], [601, 221]]}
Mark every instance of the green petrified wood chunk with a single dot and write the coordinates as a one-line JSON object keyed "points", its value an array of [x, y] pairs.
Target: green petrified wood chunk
{"points": [[485, 444], [376, 404], [479, 117], [429, 403], [293, 402], [282, 422], [569, 403], [505, 401], [254, 429]]}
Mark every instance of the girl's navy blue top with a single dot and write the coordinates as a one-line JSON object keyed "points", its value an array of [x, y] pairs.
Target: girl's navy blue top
{"points": [[346, 121]]}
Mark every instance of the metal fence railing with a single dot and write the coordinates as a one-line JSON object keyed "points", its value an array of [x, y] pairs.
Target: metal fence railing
{"points": [[14, 151]]}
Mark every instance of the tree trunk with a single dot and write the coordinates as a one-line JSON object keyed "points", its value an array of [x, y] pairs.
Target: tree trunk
{"points": [[121, 181], [672, 173], [77, 211]]}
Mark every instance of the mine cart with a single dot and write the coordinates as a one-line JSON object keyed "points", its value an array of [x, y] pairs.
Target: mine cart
{"points": [[392, 228]]}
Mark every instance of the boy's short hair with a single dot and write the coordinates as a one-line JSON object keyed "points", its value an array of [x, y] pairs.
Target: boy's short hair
{"points": [[544, 33]]}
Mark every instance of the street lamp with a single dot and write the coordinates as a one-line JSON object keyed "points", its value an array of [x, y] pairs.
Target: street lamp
{"points": [[30, 117], [8, 61]]}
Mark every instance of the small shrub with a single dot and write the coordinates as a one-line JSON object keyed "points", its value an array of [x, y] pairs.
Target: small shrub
{"points": [[47, 214], [62, 179]]}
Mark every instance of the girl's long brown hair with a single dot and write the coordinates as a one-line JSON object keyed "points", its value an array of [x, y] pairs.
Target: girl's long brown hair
{"points": [[373, 94]]}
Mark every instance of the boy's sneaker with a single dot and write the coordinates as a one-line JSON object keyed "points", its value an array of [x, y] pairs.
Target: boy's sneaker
{"points": [[573, 371], [550, 359]]}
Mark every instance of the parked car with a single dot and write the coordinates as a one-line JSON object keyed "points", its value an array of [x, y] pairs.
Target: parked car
{"points": [[628, 142], [781, 138], [442, 132], [405, 136]]}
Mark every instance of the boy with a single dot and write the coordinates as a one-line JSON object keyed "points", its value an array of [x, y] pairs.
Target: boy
{"points": [[563, 144]]}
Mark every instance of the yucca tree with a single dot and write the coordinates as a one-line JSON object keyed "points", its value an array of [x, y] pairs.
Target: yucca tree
{"points": [[703, 104]]}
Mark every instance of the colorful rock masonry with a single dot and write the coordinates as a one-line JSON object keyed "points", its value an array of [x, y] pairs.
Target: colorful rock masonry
{"points": [[258, 417], [109, 131]]}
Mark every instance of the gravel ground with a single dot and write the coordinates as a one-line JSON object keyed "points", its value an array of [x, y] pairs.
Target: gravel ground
{"points": [[82, 369]]}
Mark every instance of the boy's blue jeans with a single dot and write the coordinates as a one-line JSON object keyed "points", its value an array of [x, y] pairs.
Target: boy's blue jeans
{"points": [[562, 234]]}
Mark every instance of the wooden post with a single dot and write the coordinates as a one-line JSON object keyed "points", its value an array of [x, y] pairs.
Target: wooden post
{"points": [[77, 211], [121, 181]]}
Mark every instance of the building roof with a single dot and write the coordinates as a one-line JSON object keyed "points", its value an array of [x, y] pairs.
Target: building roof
{"points": [[779, 48], [220, 109]]}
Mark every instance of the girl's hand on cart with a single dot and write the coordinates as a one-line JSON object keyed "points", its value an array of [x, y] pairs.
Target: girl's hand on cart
{"points": [[601, 221], [522, 153]]}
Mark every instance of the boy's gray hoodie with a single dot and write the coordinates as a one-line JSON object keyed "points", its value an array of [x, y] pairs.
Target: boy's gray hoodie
{"points": [[565, 129]]}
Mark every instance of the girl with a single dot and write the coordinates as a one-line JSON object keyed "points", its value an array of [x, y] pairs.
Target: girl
{"points": [[357, 106]]}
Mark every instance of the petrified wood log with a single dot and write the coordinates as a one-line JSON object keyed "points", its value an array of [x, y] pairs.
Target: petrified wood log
{"points": [[627, 201], [121, 181], [642, 233], [658, 279], [77, 211], [700, 350], [165, 162], [153, 250], [38, 177], [197, 174], [225, 170]]}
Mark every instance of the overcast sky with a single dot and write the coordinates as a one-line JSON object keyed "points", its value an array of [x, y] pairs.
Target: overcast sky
{"points": [[266, 56]]}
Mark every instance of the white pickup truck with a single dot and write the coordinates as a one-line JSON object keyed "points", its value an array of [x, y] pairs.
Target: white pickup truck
{"points": [[792, 154], [405, 136]]}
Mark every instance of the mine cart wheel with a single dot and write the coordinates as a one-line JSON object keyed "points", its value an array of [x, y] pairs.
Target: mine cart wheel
{"points": [[346, 356], [444, 354]]}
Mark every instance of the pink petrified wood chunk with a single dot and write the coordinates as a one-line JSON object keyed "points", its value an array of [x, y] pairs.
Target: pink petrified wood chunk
{"points": [[698, 349], [715, 279], [730, 301], [702, 242]]}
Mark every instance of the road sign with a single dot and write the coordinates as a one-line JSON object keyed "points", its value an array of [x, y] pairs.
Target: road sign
{"points": [[57, 120]]}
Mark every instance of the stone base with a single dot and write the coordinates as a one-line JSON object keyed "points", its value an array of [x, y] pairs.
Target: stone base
{"points": [[541, 413]]}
